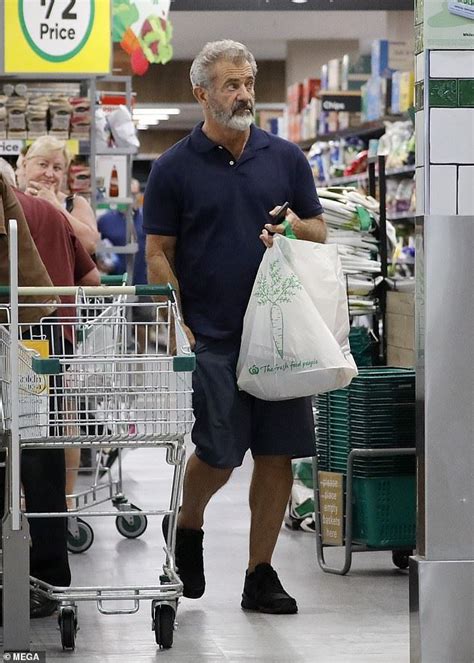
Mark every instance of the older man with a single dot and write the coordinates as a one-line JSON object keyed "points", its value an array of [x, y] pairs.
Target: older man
{"points": [[208, 201]]}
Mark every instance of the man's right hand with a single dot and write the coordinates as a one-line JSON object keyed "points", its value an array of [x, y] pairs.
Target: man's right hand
{"points": [[189, 334]]}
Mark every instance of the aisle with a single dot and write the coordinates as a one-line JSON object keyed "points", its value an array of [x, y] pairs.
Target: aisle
{"points": [[361, 618]]}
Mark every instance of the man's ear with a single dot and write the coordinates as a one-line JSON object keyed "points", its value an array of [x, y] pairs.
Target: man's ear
{"points": [[200, 94]]}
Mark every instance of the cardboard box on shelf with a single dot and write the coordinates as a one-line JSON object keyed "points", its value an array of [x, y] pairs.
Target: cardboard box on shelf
{"points": [[400, 321]]}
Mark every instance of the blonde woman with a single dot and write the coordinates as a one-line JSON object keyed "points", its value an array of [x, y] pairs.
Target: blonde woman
{"points": [[42, 171]]}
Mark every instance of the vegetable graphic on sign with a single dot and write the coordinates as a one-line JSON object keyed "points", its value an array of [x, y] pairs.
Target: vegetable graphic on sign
{"points": [[144, 31], [276, 290]]}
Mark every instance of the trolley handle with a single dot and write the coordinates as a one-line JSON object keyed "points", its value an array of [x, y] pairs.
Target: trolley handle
{"points": [[98, 291], [114, 279]]}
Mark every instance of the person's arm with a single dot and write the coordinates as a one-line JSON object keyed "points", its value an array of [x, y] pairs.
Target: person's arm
{"points": [[92, 278], [160, 258], [312, 229], [84, 224], [82, 218]]}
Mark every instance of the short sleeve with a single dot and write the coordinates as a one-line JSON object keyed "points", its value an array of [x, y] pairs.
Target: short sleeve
{"points": [[161, 205], [305, 203], [83, 263]]}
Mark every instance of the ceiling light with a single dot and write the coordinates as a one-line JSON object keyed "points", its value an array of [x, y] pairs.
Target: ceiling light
{"points": [[149, 110], [299, 2], [150, 119]]}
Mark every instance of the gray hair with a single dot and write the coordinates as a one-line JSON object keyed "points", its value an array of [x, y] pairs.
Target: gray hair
{"points": [[226, 49], [7, 171]]}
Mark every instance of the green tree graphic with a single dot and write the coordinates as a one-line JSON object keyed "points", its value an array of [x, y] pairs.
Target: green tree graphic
{"points": [[276, 290]]}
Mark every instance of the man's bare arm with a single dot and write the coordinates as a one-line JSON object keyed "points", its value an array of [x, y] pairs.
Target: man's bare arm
{"points": [[312, 229], [160, 257]]}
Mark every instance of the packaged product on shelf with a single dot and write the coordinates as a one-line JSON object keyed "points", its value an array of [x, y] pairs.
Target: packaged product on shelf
{"points": [[403, 87], [404, 195], [102, 130], [80, 117], [355, 70], [390, 56], [334, 74], [3, 117], [122, 128], [79, 178], [60, 111], [112, 171], [398, 144], [311, 89]]}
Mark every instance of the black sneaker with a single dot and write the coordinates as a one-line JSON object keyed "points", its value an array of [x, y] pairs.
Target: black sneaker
{"points": [[263, 592], [189, 559]]}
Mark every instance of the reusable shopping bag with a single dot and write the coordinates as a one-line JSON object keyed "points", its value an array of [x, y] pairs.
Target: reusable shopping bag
{"points": [[296, 327]]}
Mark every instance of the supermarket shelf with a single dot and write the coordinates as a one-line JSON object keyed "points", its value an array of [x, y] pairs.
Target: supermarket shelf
{"points": [[12, 147], [362, 177], [117, 151], [402, 217], [128, 249], [373, 129], [114, 201]]}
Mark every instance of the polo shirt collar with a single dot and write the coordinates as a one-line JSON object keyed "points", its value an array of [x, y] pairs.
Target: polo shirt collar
{"points": [[258, 140]]}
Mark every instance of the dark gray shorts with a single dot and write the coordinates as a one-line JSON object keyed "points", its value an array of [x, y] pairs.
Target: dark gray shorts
{"points": [[229, 421]]}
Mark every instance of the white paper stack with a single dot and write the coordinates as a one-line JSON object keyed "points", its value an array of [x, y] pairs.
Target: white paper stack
{"points": [[351, 219]]}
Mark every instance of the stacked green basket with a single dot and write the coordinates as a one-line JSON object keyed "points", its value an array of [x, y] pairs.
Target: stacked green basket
{"points": [[377, 411]]}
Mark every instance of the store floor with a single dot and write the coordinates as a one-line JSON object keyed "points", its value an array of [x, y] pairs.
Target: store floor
{"points": [[359, 618]]}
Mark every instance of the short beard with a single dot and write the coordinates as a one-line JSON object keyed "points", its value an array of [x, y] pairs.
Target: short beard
{"points": [[231, 120]]}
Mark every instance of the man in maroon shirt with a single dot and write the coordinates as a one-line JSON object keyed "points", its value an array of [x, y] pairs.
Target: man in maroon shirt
{"points": [[43, 471]]}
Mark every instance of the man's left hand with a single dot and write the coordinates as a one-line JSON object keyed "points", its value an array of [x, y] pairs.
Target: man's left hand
{"points": [[279, 228]]}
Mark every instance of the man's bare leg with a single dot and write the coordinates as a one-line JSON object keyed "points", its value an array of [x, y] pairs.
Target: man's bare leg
{"points": [[270, 490], [201, 481]]}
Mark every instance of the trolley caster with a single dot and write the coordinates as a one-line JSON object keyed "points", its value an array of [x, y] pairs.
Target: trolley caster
{"points": [[400, 558], [163, 625], [68, 627], [132, 526], [80, 535]]}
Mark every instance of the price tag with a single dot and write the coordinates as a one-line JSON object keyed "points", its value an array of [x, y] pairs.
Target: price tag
{"points": [[57, 36], [56, 29]]}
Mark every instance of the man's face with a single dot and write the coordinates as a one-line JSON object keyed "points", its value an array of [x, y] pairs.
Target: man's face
{"points": [[231, 96]]}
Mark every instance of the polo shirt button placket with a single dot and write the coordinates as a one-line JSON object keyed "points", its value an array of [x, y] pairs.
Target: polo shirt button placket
{"points": [[231, 163]]}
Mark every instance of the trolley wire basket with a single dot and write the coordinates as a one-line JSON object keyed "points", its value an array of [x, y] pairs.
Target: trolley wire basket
{"points": [[104, 392]]}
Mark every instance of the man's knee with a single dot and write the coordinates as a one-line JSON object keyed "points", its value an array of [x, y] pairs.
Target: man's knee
{"points": [[275, 462]]}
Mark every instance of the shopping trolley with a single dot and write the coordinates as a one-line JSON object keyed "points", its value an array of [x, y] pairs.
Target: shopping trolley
{"points": [[146, 401], [96, 330]]}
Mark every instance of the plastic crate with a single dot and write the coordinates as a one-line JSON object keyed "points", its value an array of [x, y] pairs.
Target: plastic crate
{"points": [[384, 512]]}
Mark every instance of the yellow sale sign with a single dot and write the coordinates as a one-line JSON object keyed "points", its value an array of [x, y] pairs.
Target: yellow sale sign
{"points": [[57, 37]]}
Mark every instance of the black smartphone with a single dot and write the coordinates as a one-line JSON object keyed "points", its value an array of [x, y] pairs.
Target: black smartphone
{"points": [[280, 215]]}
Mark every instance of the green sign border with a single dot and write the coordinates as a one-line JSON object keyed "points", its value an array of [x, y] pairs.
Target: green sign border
{"points": [[55, 58]]}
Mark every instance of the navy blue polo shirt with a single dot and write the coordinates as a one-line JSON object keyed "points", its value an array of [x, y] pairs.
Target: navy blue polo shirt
{"points": [[216, 208]]}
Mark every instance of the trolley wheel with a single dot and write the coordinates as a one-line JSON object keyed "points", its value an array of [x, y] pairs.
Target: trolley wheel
{"points": [[400, 558], [68, 626], [132, 526], [83, 540], [164, 625]]}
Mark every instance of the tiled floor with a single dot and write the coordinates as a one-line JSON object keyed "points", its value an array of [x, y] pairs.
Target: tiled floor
{"points": [[359, 618]]}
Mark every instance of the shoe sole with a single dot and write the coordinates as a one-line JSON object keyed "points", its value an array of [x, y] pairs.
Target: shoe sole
{"points": [[192, 594], [250, 606]]}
